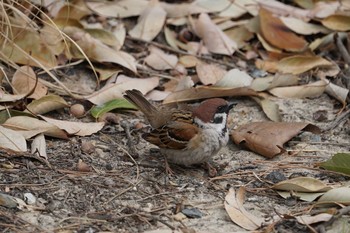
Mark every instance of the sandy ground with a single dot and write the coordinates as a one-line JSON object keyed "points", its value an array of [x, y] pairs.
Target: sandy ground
{"points": [[127, 189]]}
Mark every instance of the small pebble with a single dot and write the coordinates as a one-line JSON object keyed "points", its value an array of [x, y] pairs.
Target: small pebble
{"points": [[192, 213], [275, 177], [29, 198]]}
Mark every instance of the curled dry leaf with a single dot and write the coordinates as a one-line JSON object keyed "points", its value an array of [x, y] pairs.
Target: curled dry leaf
{"points": [[207, 92], [308, 219], [309, 197], [97, 51], [337, 196], [46, 104], [302, 184], [159, 60], [119, 9], [311, 90], [278, 80], [213, 37], [116, 90], [299, 64], [34, 126], [301, 27], [277, 34], [76, 128], [238, 214], [170, 37], [340, 93], [33, 50], [270, 108], [182, 10], [10, 98], [337, 22], [39, 146], [209, 73], [24, 81], [10, 139], [267, 138], [234, 78], [188, 61], [150, 22], [238, 8]]}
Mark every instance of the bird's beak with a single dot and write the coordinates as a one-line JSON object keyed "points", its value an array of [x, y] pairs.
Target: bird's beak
{"points": [[230, 106]]}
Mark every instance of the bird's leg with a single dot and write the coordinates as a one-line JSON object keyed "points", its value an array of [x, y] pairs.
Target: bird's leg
{"points": [[212, 172], [168, 170]]}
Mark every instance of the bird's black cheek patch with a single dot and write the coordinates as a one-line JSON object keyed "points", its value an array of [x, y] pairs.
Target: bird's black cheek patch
{"points": [[218, 120]]}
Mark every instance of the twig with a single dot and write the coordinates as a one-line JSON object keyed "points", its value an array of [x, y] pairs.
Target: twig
{"points": [[338, 120], [343, 51]]}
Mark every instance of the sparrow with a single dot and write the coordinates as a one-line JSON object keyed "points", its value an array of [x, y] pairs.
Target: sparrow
{"points": [[185, 137]]}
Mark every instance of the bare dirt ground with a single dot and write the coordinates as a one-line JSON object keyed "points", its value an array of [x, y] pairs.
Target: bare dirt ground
{"points": [[127, 189]]}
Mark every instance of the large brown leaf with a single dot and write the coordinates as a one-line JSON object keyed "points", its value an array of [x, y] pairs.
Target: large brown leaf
{"points": [[213, 37], [238, 214], [207, 92], [277, 34], [150, 22], [267, 138]]}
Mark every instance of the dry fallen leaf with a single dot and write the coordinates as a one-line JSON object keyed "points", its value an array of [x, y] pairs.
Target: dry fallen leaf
{"points": [[337, 22], [46, 104], [24, 81], [278, 80], [267, 138], [34, 126], [39, 146], [310, 90], [10, 139], [97, 51], [301, 27], [338, 92], [119, 9], [116, 90], [299, 64], [270, 108], [337, 196], [207, 92], [150, 22], [159, 60], [277, 34], [213, 37], [234, 78], [308, 219], [209, 73], [238, 214], [180, 10], [76, 128], [27, 42], [302, 184]]}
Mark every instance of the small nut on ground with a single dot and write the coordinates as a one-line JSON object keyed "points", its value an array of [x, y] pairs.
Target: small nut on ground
{"points": [[77, 110]]}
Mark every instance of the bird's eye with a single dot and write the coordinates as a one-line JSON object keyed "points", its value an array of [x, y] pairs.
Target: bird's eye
{"points": [[221, 108]]}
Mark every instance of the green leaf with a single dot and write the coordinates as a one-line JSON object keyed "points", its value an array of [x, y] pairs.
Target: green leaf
{"points": [[110, 105], [339, 162]]}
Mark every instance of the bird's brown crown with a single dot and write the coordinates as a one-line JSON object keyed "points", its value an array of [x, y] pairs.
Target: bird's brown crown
{"points": [[207, 109]]}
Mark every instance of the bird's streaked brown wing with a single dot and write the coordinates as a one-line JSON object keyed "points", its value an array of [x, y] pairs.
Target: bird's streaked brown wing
{"points": [[174, 135]]}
